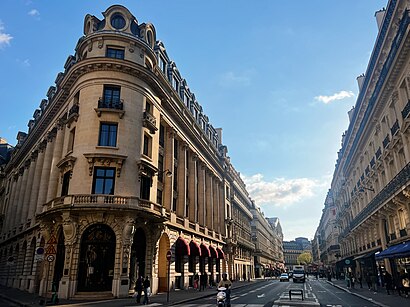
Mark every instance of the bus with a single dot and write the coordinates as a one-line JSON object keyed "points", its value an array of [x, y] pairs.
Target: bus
{"points": [[299, 273]]}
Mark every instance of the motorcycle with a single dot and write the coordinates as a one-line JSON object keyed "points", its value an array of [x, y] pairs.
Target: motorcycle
{"points": [[221, 297]]}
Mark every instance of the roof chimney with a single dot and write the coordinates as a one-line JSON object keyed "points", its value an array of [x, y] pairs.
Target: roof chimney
{"points": [[379, 17], [360, 80]]}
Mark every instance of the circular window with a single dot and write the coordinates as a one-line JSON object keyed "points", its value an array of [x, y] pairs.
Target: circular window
{"points": [[117, 21]]}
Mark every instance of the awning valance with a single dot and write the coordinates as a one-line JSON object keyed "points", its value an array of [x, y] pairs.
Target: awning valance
{"points": [[366, 255], [182, 247], [395, 251]]}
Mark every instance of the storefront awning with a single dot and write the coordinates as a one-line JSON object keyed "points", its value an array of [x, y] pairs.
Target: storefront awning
{"points": [[182, 247], [205, 250], [395, 251], [212, 249], [194, 247], [221, 254], [366, 255]]}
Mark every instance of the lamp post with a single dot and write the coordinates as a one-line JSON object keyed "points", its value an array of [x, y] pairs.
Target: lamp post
{"points": [[169, 255]]}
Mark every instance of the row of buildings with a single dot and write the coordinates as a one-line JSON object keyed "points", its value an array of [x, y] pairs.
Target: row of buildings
{"points": [[121, 174], [365, 224]]}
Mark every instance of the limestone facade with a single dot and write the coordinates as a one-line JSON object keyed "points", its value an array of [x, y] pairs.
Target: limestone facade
{"points": [[370, 186], [120, 166]]}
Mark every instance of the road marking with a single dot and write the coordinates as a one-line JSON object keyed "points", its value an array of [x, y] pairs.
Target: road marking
{"points": [[262, 295]]}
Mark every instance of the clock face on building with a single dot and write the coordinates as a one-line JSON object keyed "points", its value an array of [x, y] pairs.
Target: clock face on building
{"points": [[117, 21]]}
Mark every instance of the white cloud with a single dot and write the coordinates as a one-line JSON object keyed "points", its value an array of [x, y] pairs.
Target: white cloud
{"points": [[24, 63], [34, 12], [231, 78], [280, 192], [336, 96], [4, 37]]}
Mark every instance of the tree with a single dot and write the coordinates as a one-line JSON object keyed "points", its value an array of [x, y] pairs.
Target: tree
{"points": [[305, 258]]}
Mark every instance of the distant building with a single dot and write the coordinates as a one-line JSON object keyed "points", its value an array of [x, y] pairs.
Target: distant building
{"points": [[292, 250]]}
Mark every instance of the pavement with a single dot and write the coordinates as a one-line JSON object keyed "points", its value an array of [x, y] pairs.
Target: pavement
{"points": [[18, 297], [379, 297]]}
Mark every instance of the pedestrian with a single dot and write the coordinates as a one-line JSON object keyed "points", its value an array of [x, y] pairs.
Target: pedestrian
{"points": [[147, 290], [359, 279], [196, 281], [203, 281], [368, 280], [388, 282], [244, 276], [347, 279], [352, 280], [138, 288], [373, 278]]}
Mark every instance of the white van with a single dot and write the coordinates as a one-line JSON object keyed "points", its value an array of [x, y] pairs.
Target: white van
{"points": [[298, 273]]}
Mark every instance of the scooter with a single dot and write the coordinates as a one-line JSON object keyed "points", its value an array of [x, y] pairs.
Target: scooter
{"points": [[221, 297]]}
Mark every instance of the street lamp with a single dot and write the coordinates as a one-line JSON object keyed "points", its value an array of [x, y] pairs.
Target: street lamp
{"points": [[167, 173]]}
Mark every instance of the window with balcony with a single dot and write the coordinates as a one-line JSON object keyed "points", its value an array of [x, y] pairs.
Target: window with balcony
{"points": [[111, 98], [104, 180], [115, 52], [108, 135]]}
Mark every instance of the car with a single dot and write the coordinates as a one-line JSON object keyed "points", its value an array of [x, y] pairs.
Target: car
{"points": [[284, 277]]}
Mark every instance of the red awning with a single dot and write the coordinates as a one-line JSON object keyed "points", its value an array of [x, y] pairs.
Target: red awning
{"points": [[205, 251], [212, 249], [181, 247], [194, 247], [221, 254]]}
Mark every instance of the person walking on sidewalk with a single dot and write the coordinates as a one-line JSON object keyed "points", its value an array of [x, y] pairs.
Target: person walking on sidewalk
{"points": [[388, 281], [147, 290], [359, 279], [138, 288], [347, 279], [368, 280]]}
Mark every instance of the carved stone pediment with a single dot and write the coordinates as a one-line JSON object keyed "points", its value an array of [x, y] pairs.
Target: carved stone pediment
{"points": [[146, 169], [105, 159]]}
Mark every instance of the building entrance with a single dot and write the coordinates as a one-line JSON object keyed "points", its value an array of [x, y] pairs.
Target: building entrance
{"points": [[97, 255], [138, 251]]}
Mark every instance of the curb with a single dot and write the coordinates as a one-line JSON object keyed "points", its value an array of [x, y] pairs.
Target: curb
{"points": [[358, 295]]}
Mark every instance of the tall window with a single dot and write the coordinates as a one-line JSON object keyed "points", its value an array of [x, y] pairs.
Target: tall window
{"points": [[145, 187], [104, 180], [71, 140], [108, 135], [159, 197], [116, 53], [146, 147], [162, 64], [161, 136], [66, 183], [160, 168], [111, 95], [176, 149]]}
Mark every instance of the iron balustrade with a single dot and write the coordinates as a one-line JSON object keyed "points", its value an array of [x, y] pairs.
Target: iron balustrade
{"points": [[116, 104], [388, 191]]}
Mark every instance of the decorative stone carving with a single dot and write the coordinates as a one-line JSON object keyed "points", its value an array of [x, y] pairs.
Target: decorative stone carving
{"points": [[100, 159], [69, 228], [100, 43]]}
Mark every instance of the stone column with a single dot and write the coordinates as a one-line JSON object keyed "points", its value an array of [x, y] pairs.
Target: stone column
{"points": [[169, 164], [181, 201], [209, 200], [23, 190], [45, 174], [201, 193], [36, 182], [193, 184], [14, 214], [10, 207], [222, 206], [216, 207], [57, 154], [29, 186]]}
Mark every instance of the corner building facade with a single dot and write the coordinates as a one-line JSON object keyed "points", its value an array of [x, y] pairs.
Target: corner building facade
{"points": [[119, 166]]}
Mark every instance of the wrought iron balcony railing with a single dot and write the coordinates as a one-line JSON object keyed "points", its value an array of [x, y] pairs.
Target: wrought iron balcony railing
{"points": [[117, 104]]}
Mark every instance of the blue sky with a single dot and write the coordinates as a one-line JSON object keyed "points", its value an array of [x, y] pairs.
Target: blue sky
{"points": [[277, 76]]}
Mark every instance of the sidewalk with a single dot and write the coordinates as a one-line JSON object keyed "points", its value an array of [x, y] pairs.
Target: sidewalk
{"points": [[379, 298], [23, 298]]}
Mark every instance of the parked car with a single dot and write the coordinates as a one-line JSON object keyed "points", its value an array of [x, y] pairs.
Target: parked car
{"points": [[284, 277]]}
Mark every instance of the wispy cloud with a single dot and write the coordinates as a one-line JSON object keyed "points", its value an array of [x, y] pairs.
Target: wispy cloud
{"points": [[231, 78], [280, 192], [337, 96], [34, 12], [4, 37], [24, 63]]}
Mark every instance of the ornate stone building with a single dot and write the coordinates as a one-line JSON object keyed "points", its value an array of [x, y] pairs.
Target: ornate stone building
{"points": [[370, 185], [292, 250], [119, 166]]}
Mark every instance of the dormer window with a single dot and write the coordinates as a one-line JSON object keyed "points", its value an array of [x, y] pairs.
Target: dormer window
{"points": [[117, 21], [175, 84], [162, 64]]}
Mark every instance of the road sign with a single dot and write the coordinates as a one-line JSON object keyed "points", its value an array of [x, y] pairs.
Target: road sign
{"points": [[39, 256], [52, 240], [169, 255], [50, 258], [51, 250]]}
